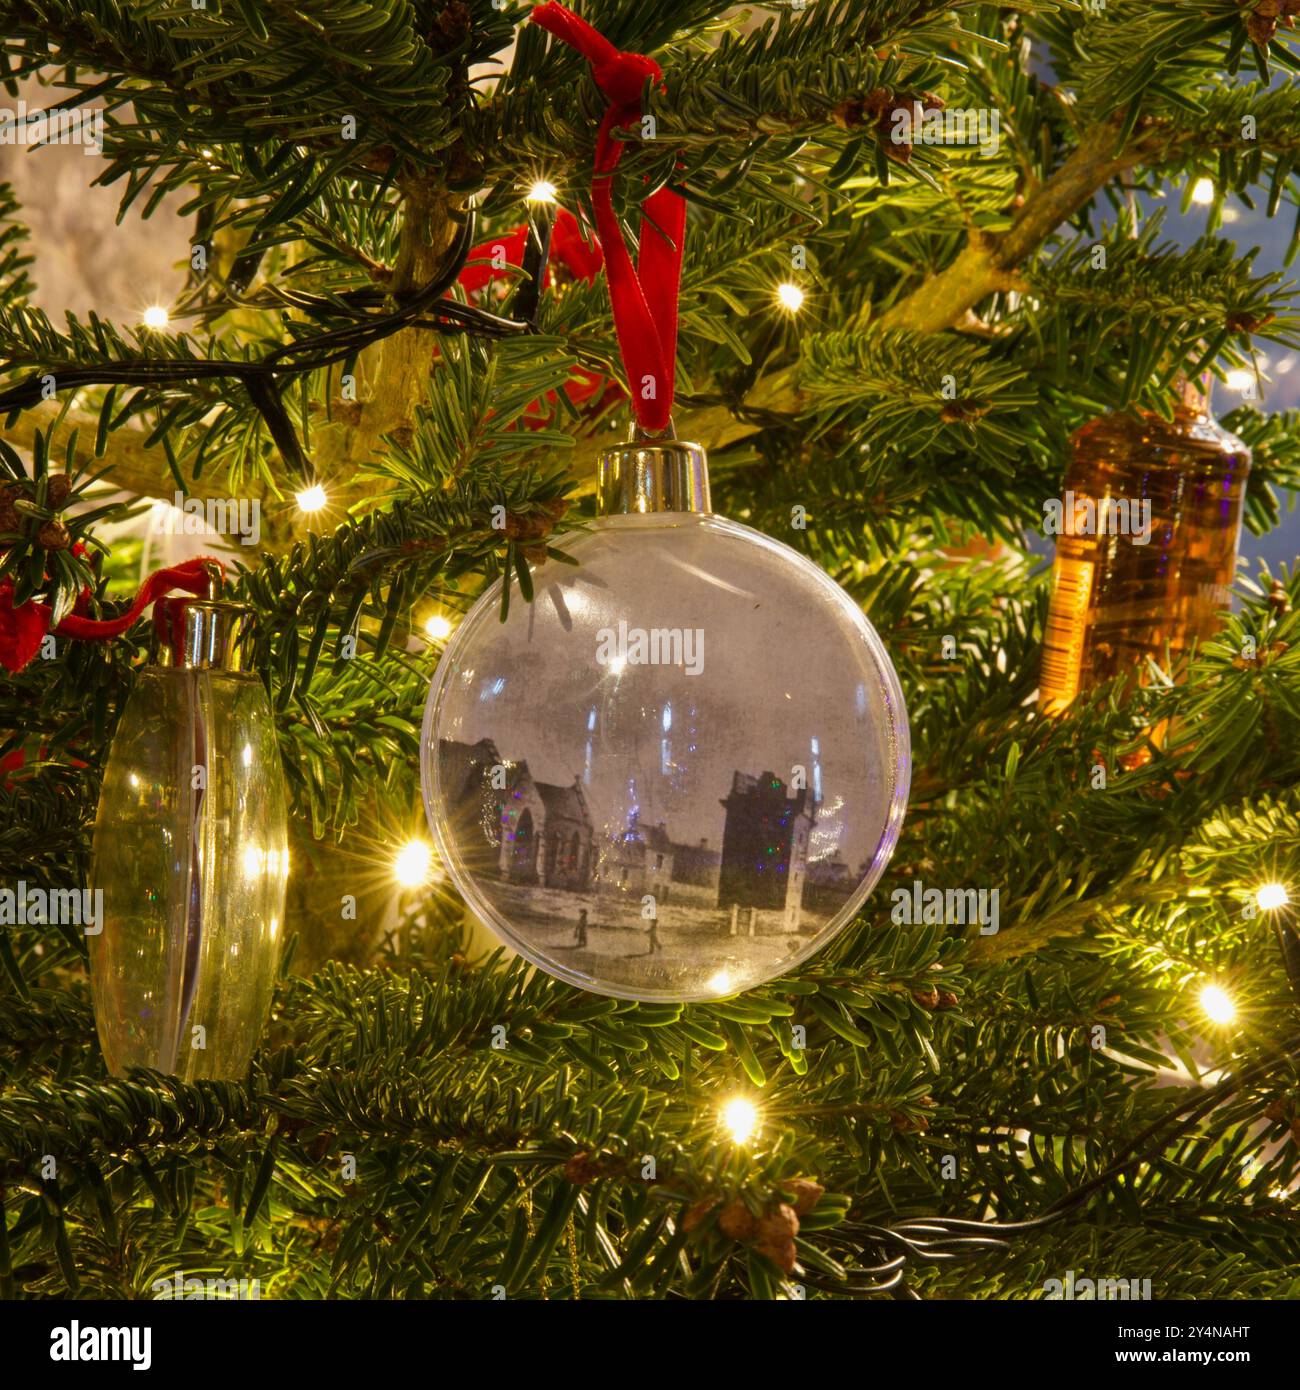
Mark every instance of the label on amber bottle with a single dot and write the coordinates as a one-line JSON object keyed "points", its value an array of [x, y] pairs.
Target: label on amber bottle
{"points": [[1066, 634]]}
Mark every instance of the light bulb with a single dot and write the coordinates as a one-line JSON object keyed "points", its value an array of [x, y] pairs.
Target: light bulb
{"points": [[1270, 896], [1240, 380], [740, 1116], [412, 863], [1217, 1004], [543, 191], [790, 297], [437, 627], [156, 316], [1203, 191], [311, 499]]}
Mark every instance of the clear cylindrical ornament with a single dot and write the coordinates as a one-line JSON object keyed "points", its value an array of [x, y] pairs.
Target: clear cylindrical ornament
{"points": [[680, 769], [191, 853]]}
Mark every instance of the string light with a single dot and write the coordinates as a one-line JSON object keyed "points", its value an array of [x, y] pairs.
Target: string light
{"points": [[1240, 380], [437, 627], [1203, 191], [790, 297], [311, 499], [412, 863], [740, 1117], [543, 191], [155, 316], [1217, 1004], [1270, 896]]}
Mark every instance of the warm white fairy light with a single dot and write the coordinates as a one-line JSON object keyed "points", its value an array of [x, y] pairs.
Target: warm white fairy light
{"points": [[437, 627], [412, 863], [1241, 380], [1217, 1004], [311, 499], [740, 1118], [155, 316], [1203, 191], [543, 191], [1270, 896], [790, 297]]}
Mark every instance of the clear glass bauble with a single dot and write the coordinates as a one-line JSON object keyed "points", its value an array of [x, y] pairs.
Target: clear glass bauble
{"points": [[675, 774]]}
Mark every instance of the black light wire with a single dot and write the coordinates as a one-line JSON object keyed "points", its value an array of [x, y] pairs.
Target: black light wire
{"points": [[942, 1239], [426, 309]]}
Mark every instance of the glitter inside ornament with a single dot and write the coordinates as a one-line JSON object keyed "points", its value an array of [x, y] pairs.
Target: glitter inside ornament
{"points": [[677, 772]]}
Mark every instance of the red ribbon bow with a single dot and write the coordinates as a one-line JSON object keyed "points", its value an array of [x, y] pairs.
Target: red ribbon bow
{"points": [[643, 297]]}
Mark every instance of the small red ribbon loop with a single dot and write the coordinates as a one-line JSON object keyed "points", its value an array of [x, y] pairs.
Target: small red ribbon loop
{"points": [[190, 575], [22, 628], [643, 297], [580, 258]]}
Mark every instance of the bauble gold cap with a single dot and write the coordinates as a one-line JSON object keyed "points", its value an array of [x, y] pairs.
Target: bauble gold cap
{"points": [[653, 474], [203, 634]]}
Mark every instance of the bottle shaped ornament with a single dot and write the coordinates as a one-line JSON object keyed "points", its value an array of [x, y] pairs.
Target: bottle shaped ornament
{"points": [[1146, 550], [681, 768], [191, 853]]}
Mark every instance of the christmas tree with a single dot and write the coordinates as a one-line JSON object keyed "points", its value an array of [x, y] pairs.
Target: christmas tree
{"points": [[922, 268]]}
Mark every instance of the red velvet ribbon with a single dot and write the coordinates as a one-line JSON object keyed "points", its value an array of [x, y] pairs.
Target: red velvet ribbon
{"points": [[569, 249], [23, 628], [643, 297], [581, 258], [190, 575]]}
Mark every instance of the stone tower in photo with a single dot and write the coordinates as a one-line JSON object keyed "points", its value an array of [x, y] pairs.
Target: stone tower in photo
{"points": [[765, 847]]}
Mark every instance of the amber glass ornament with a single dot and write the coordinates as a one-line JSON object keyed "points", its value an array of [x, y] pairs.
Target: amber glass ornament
{"points": [[1115, 602]]}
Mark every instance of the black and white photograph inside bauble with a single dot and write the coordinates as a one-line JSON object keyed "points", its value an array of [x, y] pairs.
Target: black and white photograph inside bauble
{"points": [[678, 770]]}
